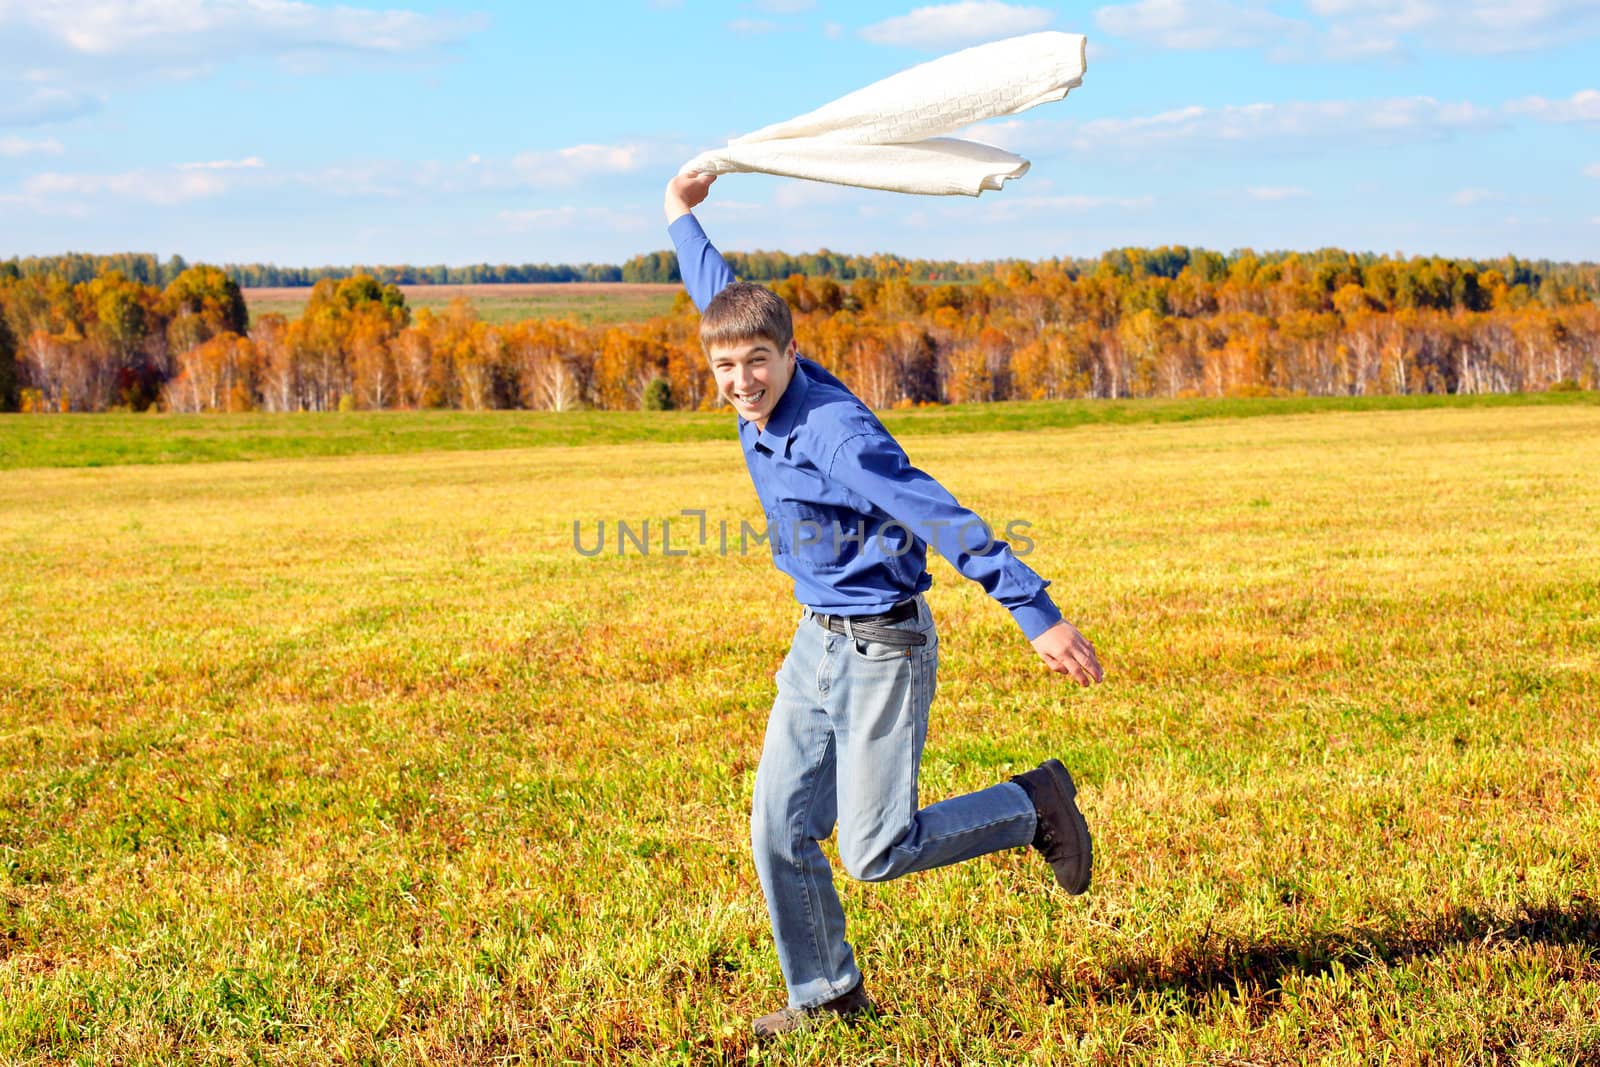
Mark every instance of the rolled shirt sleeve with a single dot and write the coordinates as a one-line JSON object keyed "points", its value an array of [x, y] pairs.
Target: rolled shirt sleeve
{"points": [[871, 464]]}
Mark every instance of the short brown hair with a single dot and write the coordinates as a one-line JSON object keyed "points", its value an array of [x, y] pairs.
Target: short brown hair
{"points": [[745, 311]]}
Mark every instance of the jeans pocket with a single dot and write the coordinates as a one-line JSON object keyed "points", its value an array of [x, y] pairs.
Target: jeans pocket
{"points": [[882, 651]]}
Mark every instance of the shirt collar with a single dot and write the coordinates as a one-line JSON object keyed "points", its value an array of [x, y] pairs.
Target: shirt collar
{"points": [[780, 424]]}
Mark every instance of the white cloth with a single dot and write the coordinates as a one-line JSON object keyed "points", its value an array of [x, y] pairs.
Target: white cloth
{"points": [[890, 135]]}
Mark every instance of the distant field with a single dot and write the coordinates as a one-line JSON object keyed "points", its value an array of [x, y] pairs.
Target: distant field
{"points": [[586, 302]]}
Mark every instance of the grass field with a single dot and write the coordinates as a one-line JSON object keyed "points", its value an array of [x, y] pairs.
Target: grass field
{"points": [[153, 437], [585, 302], [352, 758]]}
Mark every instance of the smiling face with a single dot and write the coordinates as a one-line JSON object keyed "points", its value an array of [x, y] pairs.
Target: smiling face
{"points": [[752, 375]]}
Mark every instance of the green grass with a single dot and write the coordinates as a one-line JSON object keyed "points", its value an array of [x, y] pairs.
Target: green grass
{"points": [[114, 439], [312, 760]]}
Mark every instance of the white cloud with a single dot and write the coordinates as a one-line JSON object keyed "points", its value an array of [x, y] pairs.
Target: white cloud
{"points": [[1085, 203], [799, 195], [164, 187], [247, 163], [1583, 106], [1468, 197], [208, 179], [734, 209], [204, 32], [1592, 170], [370, 179], [1354, 30], [1276, 192], [22, 105], [557, 168], [604, 158], [785, 7], [37, 207], [1465, 26], [832, 31], [954, 25], [62, 60], [568, 217], [751, 27], [567, 166], [1349, 43], [1296, 126], [361, 180], [1040, 208], [12, 147], [1196, 24]]}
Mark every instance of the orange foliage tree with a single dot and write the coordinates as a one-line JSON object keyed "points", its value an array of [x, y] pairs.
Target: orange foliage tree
{"points": [[1169, 321]]}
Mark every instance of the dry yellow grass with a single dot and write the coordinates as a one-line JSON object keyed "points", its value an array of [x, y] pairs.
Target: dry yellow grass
{"points": [[356, 759]]}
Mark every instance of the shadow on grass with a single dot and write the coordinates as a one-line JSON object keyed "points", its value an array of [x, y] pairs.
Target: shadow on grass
{"points": [[1258, 969]]}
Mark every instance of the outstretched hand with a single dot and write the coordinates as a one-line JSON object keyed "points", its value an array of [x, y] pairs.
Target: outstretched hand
{"points": [[685, 192], [1066, 651]]}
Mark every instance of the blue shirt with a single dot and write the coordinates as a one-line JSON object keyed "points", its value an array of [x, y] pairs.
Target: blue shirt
{"points": [[848, 516]]}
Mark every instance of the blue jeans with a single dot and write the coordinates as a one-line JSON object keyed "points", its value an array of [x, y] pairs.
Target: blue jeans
{"points": [[844, 743]]}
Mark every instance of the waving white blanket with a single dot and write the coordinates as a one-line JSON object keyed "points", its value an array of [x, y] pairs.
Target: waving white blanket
{"points": [[890, 135]]}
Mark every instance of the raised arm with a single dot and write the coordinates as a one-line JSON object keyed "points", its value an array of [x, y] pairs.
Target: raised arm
{"points": [[705, 273]]}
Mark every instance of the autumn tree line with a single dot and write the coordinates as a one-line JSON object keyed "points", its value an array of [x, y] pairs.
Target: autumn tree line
{"points": [[151, 270], [656, 267], [1135, 322]]}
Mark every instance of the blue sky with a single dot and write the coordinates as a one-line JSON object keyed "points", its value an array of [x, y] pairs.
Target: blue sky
{"points": [[311, 133]]}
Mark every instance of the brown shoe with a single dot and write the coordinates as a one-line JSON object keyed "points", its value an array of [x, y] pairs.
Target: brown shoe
{"points": [[1062, 837], [849, 1006]]}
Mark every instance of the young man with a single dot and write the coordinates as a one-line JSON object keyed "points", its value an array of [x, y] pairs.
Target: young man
{"points": [[850, 520]]}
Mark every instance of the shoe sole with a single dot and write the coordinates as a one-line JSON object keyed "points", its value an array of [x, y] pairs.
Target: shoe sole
{"points": [[1075, 879]]}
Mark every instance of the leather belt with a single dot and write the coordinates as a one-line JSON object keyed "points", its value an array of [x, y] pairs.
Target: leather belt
{"points": [[878, 627]]}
